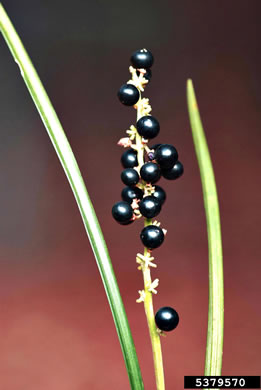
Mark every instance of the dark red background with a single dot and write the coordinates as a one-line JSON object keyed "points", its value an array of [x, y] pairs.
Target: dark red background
{"points": [[56, 329]]}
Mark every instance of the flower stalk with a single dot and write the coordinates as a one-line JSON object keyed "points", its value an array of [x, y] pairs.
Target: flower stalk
{"points": [[145, 261]]}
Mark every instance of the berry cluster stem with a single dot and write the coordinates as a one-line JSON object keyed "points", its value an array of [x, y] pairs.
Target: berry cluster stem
{"points": [[154, 334], [148, 301]]}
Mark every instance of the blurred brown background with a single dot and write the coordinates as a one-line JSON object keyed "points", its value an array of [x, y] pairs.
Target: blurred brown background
{"points": [[56, 329]]}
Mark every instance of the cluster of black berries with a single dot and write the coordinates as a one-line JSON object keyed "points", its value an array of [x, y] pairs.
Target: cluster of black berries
{"points": [[141, 196], [162, 160]]}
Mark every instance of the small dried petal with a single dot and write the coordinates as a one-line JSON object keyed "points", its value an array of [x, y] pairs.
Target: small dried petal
{"points": [[135, 204], [125, 142]]}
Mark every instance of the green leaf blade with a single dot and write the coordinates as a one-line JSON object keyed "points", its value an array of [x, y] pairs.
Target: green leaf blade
{"points": [[214, 351], [71, 169]]}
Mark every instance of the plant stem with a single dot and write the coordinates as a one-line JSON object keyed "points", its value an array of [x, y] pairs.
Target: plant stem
{"points": [[148, 301], [214, 349], [154, 334], [69, 164]]}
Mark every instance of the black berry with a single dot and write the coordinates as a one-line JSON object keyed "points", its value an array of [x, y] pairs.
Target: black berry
{"points": [[142, 59], [152, 236], [122, 213], [147, 75], [149, 206], [173, 173], [148, 127], [130, 177], [166, 156], [166, 319], [129, 159], [128, 94], [130, 193], [159, 194], [150, 172]]}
